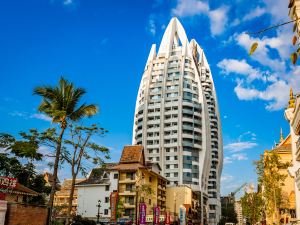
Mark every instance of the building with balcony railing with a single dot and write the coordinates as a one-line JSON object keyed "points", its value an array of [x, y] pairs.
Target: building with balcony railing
{"points": [[139, 182], [177, 116], [61, 198]]}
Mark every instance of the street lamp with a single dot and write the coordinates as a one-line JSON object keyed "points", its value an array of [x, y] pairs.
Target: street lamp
{"points": [[98, 214]]}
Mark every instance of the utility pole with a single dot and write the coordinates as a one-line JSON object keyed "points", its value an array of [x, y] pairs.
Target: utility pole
{"points": [[98, 214]]}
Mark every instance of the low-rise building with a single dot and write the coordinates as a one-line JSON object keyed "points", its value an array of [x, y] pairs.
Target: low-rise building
{"points": [[97, 188], [61, 198], [292, 114], [183, 195], [139, 182]]}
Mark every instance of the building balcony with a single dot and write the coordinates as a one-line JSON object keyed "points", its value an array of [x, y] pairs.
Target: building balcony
{"points": [[129, 205], [127, 192], [187, 127], [127, 181], [188, 111]]}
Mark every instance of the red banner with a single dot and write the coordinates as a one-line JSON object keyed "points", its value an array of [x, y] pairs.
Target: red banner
{"points": [[113, 206], [156, 215], [167, 218], [8, 182], [143, 208]]}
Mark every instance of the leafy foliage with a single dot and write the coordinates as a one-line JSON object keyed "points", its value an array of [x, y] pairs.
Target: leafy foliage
{"points": [[252, 207], [78, 220], [26, 175], [228, 214], [270, 178], [83, 149], [62, 104]]}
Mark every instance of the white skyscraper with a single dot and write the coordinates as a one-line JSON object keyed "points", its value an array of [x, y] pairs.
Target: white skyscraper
{"points": [[177, 117]]}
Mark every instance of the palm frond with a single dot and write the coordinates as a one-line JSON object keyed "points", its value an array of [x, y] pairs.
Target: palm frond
{"points": [[84, 110]]}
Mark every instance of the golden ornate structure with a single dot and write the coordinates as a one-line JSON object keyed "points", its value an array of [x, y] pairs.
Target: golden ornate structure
{"points": [[292, 99]]}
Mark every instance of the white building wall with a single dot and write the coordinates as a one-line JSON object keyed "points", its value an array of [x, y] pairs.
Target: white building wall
{"points": [[88, 196], [177, 117]]}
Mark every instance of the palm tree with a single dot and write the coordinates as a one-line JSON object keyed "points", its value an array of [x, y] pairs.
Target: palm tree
{"points": [[61, 103]]}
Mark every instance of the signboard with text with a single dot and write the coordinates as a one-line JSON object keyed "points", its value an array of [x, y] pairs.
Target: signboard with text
{"points": [[182, 215], [167, 218], [113, 206], [7, 182], [156, 215], [143, 209]]}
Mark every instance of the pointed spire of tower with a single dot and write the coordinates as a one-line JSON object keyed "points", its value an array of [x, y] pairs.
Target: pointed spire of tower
{"points": [[281, 139], [292, 99]]}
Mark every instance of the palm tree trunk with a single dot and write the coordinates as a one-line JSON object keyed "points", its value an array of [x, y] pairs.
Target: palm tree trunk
{"points": [[55, 170], [71, 198]]}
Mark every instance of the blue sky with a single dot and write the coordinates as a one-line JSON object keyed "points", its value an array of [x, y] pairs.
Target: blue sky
{"points": [[103, 46]]}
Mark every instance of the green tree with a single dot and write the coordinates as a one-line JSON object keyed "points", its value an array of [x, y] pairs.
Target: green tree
{"points": [[26, 175], [61, 104], [252, 207], [82, 148], [271, 180], [228, 214]]}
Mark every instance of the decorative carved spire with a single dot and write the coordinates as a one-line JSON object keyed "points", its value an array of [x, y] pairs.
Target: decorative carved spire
{"points": [[281, 139], [292, 99]]}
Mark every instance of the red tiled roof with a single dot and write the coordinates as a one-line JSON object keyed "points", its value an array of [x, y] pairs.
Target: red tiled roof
{"points": [[129, 166], [21, 189], [133, 154]]}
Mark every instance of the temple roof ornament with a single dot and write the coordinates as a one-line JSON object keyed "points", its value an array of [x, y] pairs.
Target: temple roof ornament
{"points": [[292, 99], [281, 139]]}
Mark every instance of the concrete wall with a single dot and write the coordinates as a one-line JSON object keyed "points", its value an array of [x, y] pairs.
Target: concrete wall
{"points": [[88, 196], [21, 214], [177, 196]]}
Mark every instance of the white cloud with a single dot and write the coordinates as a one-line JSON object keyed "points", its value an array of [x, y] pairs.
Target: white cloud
{"points": [[277, 9], [239, 156], [235, 157], [276, 95], [151, 26], [257, 12], [262, 53], [18, 114], [227, 160], [189, 8], [240, 146], [240, 67], [218, 20], [41, 116], [68, 2], [226, 178], [186, 8]]}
